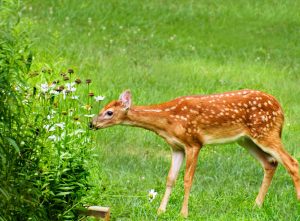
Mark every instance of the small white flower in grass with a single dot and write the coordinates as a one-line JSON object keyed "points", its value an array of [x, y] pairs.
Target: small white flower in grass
{"points": [[99, 98], [74, 97], [89, 115], [53, 138], [17, 88], [49, 117], [151, 195], [54, 92], [70, 87], [61, 125], [44, 87], [49, 128]]}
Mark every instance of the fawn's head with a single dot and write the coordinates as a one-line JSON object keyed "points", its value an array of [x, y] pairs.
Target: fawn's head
{"points": [[113, 113]]}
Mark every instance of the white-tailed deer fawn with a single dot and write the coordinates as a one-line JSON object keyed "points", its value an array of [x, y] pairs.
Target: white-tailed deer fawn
{"points": [[251, 117]]}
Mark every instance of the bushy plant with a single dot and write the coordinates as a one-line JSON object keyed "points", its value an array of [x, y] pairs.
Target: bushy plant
{"points": [[18, 160], [63, 119], [44, 139]]}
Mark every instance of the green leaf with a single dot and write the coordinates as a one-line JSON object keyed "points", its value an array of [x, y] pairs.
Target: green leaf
{"points": [[4, 193], [45, 184], [63, 193], [67, 188], [13, 143]]}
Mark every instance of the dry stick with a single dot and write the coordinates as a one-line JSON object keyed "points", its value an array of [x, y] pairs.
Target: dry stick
{"points": [[96, 211]]}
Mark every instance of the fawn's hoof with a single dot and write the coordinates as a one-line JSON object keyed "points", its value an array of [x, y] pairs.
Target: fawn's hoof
{"points": [[184, 213], [258, 202], [160, 211]]}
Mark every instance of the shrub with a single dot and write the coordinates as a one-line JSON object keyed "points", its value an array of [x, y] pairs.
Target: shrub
{"points": [[18, 193], [44, 140]]}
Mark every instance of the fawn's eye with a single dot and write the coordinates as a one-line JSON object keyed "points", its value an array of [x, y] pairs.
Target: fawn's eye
{"points": [[109, 113]]}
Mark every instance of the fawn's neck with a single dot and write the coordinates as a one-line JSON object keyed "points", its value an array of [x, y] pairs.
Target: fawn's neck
{"points": [[146, 117]]}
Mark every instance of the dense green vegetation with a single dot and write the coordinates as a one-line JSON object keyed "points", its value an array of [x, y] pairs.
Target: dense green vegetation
{"points": [[44, 140], [161, 50]]}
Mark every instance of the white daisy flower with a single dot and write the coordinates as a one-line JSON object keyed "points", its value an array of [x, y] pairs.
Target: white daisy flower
{"points": [[44, 87], [53, 138], [99, 98], [151, 195], [61, 125], [49, 128], [70, 87], [49, 117], [54, 92]]}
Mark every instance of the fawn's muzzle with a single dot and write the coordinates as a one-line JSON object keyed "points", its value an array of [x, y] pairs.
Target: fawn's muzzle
{"points": [[91, 125]]}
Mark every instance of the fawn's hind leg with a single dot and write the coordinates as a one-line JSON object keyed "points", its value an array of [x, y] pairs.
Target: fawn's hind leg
{"points": [[273, 146], [268, 163]]}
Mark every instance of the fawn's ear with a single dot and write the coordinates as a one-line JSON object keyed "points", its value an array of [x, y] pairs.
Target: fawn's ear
{"points": [[125, 98]]}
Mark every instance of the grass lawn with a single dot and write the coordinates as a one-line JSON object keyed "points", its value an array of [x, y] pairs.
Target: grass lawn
{"points": [[164, 49]]}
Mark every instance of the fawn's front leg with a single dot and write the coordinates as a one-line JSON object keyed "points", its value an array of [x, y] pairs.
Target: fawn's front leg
{"points": [[177, 158], [191, 163]]}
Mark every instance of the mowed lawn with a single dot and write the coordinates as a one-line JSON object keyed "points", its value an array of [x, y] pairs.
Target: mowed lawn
{"points": [[164, 49]]}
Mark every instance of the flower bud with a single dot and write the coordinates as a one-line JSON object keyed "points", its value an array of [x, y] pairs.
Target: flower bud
{"points": [[77, 81], [70, 71]]}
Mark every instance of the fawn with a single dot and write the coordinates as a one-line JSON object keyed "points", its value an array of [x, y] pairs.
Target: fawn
{"points": [[252, 118]]}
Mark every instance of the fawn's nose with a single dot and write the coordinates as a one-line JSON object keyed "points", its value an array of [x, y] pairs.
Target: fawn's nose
{"points": [[91, 125]]}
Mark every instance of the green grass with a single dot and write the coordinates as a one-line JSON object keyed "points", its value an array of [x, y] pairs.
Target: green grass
{"points": [[164, 49]]}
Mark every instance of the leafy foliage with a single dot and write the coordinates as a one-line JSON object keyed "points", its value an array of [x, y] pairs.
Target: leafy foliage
{"points": [[44, 140], [17, 135]]}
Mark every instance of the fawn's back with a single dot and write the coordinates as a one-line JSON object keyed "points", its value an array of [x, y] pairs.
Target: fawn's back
{"points": [[221, 118]]}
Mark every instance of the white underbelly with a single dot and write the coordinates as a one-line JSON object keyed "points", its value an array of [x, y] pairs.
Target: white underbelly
{"points": [[209, 139]]}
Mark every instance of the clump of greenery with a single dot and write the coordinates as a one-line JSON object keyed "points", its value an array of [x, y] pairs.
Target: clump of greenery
{"points": [[63, 120], [19, 146], [44, 139]]}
